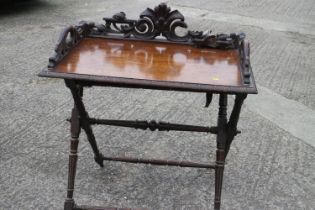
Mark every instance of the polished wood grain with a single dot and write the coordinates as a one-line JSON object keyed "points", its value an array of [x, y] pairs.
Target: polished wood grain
{"points": [[153, 61]]}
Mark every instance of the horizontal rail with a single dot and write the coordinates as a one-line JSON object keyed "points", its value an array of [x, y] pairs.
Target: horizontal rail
{"points": [[153, 125], [160, 162]]}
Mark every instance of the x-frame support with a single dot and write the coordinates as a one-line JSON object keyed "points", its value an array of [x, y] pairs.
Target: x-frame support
{"points": [[226, 130]]}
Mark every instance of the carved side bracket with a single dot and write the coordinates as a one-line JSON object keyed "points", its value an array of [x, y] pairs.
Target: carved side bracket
{"points": [[68, 38], [245, 61]]}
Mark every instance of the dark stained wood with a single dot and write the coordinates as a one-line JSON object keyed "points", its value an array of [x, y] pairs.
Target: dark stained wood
{"points": [[131, 54], [153, 61], [152, 125], [161, 162], [220, 153], [162, 21], [73, 157]]}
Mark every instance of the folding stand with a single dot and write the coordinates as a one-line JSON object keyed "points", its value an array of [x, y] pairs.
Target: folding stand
{"points": [[124, 53]]}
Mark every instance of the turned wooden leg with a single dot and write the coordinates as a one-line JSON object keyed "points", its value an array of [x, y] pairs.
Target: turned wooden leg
{"points": [[218, 178], [75, 132], [77, 93], [220, 153]]}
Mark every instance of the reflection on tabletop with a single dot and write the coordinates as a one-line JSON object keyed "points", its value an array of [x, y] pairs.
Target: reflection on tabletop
{"points": [[153, 61]]}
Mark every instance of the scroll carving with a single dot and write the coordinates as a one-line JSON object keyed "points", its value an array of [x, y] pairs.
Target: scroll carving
{"points": [[69, 38], [163, 21]]}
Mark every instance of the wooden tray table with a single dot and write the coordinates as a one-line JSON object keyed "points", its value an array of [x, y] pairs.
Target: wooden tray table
{"points": [[147, 53]]}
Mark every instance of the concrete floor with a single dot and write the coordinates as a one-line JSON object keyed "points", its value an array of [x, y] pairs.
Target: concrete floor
{"points": [[271, 164]]}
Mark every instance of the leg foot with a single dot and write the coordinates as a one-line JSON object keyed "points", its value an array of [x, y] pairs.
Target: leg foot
{"points": [[217, 205], [218, 178], [69, 204], [99, 159]]}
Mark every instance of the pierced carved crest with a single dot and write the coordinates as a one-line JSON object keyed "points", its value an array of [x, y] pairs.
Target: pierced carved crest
{"points": [[162, 21]]}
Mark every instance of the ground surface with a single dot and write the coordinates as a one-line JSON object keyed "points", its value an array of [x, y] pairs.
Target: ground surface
{"points": [[271, 164]]}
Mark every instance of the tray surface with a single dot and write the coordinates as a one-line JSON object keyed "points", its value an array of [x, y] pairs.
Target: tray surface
{"points": [[156, 61]]}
